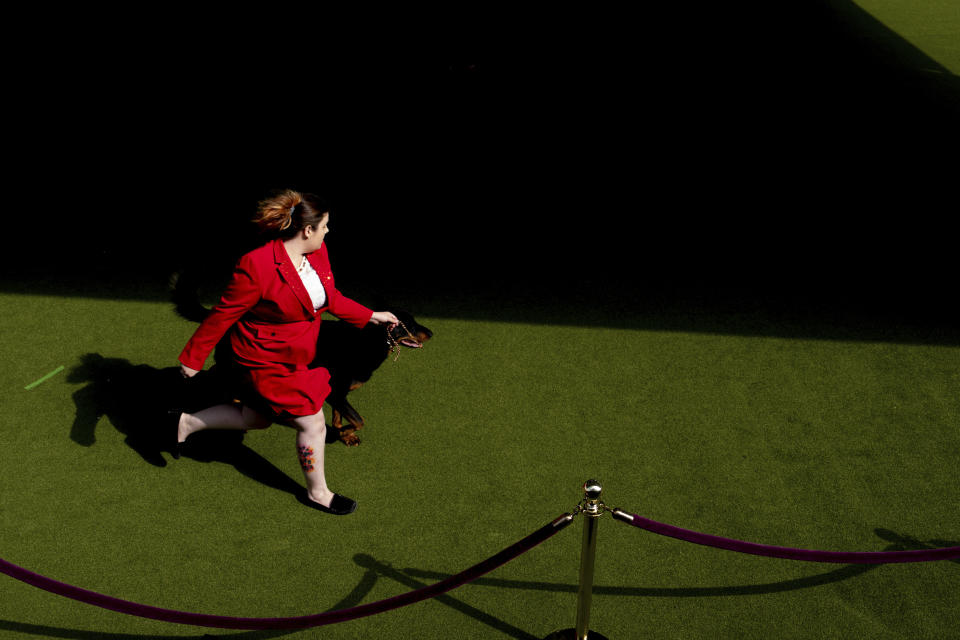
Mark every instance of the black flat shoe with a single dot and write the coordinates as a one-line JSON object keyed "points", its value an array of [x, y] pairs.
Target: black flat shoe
{"points": [[339, 506]]}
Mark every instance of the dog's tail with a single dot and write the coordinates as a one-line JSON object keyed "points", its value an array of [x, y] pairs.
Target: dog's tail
{"points": [[185, 295]]}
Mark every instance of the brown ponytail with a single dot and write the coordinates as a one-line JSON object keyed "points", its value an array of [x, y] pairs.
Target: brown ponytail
{"points": [[285, 213]]}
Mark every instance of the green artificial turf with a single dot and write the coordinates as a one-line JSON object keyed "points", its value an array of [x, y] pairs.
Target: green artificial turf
{"points": [[933, 26], [475, 442]]}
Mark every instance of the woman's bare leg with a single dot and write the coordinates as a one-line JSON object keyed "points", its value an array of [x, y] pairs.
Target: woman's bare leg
{"points": [[221, 416], [311, 439]]}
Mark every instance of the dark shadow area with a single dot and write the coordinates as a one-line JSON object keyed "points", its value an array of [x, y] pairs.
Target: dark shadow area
{"points": [[763, 169], [135, 399]]}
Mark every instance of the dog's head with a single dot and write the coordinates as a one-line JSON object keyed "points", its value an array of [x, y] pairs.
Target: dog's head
{"points": [[409, 333]]}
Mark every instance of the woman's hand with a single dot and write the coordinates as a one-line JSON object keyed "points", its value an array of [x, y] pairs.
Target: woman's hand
{"points": [[384, 317], [187, 372]]}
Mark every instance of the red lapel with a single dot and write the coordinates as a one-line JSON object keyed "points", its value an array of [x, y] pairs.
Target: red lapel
{"points": [[289, 274]]}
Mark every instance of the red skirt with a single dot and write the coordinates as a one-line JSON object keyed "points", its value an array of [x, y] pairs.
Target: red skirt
{"points": [[285, 390]]}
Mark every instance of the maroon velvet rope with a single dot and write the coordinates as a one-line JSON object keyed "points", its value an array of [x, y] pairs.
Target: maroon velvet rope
{"points": [[770, 551], [299, 622]]}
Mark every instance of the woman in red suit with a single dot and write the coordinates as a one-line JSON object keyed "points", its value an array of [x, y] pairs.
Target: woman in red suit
{"points": [[272, 308]]}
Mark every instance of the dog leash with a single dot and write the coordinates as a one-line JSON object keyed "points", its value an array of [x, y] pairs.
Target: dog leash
{"points": [[395, 345]]}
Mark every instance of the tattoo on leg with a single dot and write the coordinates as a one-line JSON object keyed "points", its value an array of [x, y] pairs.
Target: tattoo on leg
{"points": [[306, 458]]}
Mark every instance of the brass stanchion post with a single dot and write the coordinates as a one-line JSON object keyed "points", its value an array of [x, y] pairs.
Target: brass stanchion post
{"points": [[592, 509]]}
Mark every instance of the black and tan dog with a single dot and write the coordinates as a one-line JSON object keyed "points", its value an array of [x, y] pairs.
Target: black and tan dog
{"points": [[351, 356]]}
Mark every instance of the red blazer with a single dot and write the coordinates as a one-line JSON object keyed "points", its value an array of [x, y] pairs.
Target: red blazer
{"points": [[271, 312]]}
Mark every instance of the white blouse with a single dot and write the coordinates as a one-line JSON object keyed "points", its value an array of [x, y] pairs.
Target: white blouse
{"points": [[310, 279]]}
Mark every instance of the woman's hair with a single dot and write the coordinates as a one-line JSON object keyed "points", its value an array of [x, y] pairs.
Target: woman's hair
{"points": [[285, 213]]}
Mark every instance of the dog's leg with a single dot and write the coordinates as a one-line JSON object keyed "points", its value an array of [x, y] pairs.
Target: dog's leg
{"points": [[348, 433], [350, 437], [352, 416], [341, 409], [336, 426]]}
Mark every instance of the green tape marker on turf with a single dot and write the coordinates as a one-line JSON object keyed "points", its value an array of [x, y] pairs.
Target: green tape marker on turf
{"points": [[45, 378]]}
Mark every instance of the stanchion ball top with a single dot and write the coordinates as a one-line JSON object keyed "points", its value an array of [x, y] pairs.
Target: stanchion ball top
{"points": [[592, 489]]}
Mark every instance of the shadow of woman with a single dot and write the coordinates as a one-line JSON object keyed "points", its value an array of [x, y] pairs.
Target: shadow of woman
{"points": [[136, 398]]}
